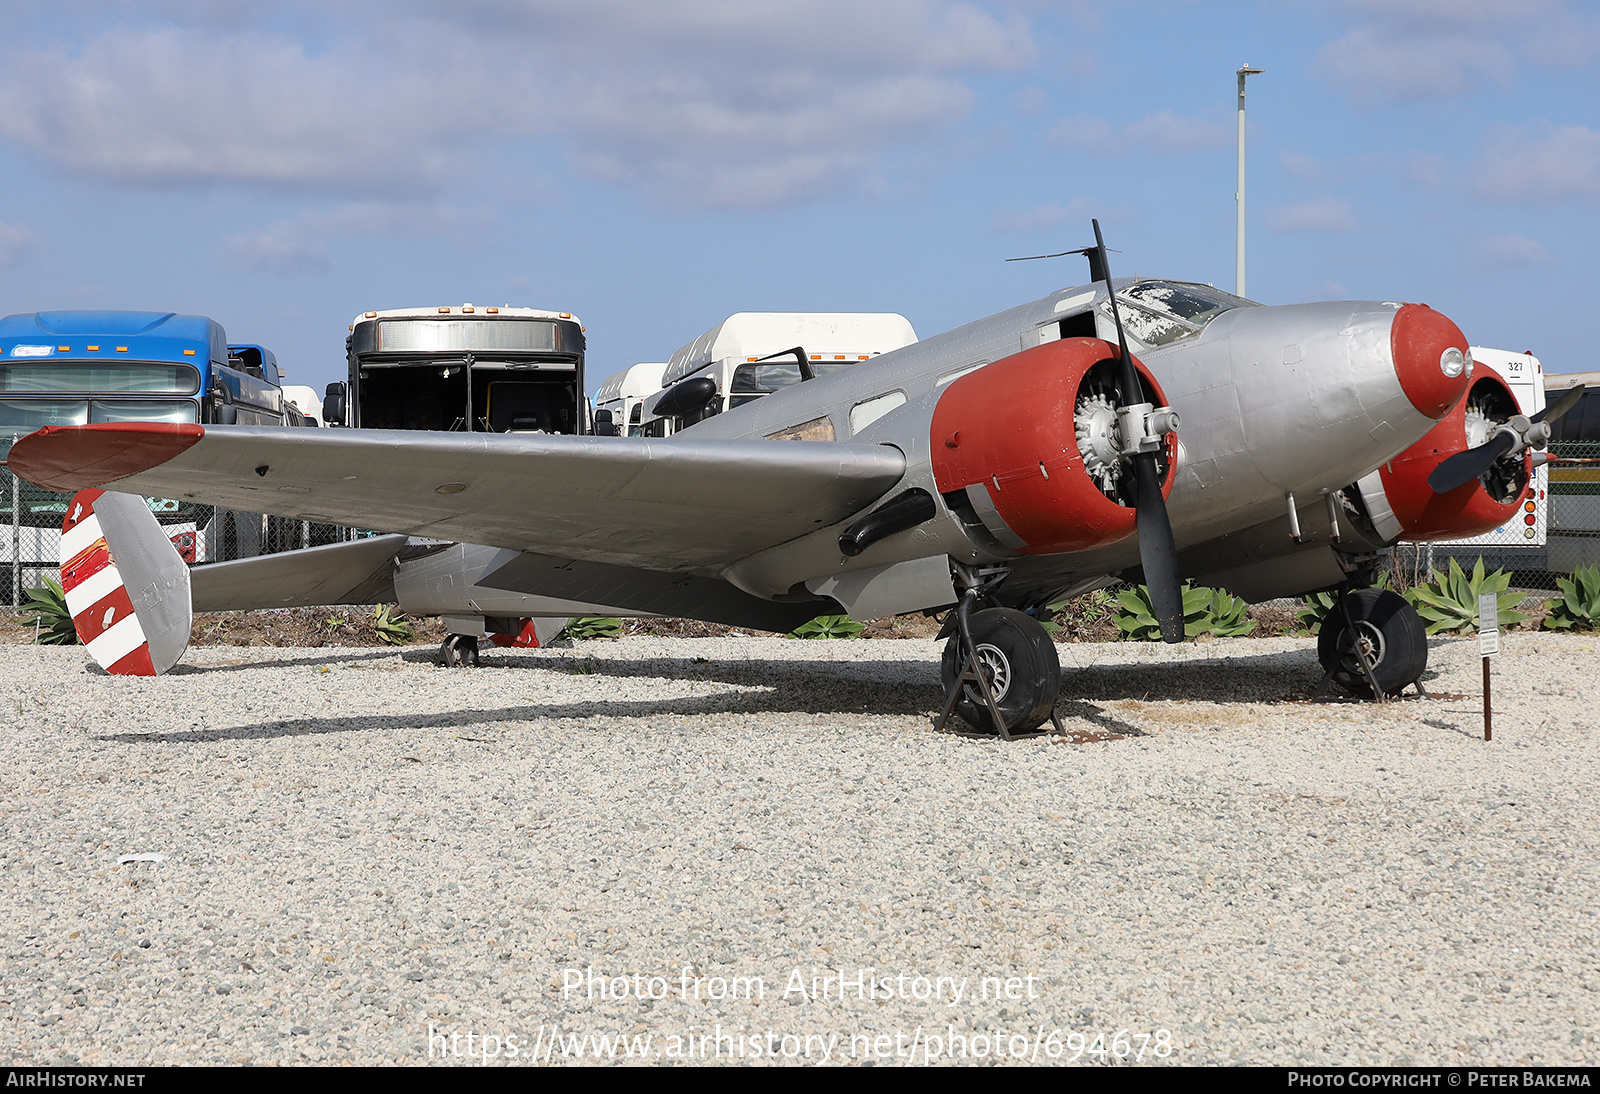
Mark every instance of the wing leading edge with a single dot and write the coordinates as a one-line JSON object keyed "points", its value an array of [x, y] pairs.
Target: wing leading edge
{"points": [[679, 505]]}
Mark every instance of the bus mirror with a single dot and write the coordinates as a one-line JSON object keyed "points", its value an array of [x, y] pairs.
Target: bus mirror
{"points": [[686, 398], [333, 404]]}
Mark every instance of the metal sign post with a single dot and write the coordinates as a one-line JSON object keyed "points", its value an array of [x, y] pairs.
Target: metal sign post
{"points": [[1488, 646]]}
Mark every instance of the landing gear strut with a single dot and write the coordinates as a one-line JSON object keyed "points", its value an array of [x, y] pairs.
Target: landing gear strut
{"points": [[1373, 644], [1000, 670], [459, 649]]}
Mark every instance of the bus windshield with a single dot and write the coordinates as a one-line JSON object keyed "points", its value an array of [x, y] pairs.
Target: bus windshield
{"points": [[19, 416]]}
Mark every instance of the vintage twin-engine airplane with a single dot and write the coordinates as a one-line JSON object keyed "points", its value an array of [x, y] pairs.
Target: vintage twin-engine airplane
{"points": [[997, 468]]}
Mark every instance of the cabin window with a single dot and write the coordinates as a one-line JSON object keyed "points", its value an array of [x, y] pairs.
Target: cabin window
{"points": [[817, 429], [958, 373], [868, 411]]}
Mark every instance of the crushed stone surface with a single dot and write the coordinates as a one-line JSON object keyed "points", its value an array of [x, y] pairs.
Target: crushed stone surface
{"points": [[758, 850]]}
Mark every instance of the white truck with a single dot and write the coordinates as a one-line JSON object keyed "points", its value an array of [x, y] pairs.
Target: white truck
{"points": [[752, 354], [623, 395]]}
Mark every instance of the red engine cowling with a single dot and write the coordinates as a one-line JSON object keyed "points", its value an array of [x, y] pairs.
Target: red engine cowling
{"points": [[1012, 429], [1477, 507]]}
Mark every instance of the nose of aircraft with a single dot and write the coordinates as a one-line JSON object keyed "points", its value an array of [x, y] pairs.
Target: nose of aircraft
{"points": [[1430, 359]]}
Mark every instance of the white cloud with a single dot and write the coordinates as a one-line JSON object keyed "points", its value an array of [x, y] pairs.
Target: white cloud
{"points": [[298, 246], [1539, 164], [700, 102], [170, 106], [1316, 215], [1512, 250], [1301, 166], [1030, 100], [284, 248], [1042, 217], [16, 243], [1174, 133], [1407, 49], [1163, 133]]}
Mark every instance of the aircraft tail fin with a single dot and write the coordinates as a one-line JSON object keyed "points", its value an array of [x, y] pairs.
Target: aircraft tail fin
{"points": [[125, 584]]}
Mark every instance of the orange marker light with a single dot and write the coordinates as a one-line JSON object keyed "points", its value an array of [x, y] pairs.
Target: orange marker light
{"points": [[370, 315], [444, 311], [94, 347], [188, 353], [122, 349], [62, 349]]}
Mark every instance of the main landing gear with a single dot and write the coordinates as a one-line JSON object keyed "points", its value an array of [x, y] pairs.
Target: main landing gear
{"points": [[459, 649], [1000, 670], [1373, 643]]}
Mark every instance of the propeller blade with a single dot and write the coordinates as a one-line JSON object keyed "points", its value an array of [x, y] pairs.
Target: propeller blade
{"points": [[1463, 467], [1561, 405], [1158, 551]]}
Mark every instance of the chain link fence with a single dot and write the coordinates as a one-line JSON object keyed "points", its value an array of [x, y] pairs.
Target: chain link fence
{"points": [[30, 533]]}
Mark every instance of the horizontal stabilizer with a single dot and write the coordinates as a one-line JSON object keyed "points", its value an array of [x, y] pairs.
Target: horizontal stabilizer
{"points": [[358, 572]]}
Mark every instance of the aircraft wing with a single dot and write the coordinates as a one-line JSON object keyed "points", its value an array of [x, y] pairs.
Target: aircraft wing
{"points": [[682, 505]]}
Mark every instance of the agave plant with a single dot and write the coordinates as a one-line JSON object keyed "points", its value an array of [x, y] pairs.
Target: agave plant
{"points": [[592, 626], [1316, 606], [1450, 603], [1578, 606], [828, 626], [1205, 611], [390, 626], [1227, 616], [51, 615]]}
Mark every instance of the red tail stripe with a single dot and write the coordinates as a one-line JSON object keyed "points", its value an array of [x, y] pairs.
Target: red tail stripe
{"points": [[135, 663], [85, 564], [82, 505], [90, 623]]}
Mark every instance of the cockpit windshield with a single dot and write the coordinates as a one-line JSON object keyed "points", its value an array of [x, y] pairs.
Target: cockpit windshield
{"points": [[1169, 311]]}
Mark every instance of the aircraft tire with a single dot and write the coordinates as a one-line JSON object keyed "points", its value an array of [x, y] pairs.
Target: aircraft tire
{"points": [[459, 649], [1396, 639], [1021, 659]]}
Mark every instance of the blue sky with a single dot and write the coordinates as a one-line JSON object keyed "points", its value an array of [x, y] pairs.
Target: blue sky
{"points": [[654, 166]]}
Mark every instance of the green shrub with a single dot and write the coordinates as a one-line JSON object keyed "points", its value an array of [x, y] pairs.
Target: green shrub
{"points": [[1450, 603], [390, 626], [586, 627], [50, 615], [828, 626], [1316, 606], [1205, 611], [1578, 606], [1085, 610]]}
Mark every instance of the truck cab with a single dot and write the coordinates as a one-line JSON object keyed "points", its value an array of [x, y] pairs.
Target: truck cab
{"points": [[751, 354]]}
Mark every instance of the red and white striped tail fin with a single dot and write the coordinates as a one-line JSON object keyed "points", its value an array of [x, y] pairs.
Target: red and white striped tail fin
{"points": [[125, 585]]}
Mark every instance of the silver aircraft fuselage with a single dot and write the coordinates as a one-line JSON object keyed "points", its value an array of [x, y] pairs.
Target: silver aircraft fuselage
{"points": [[1299, 399]]}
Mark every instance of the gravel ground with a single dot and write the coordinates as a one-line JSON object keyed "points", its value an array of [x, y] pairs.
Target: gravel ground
{"points": [[362, 848]]}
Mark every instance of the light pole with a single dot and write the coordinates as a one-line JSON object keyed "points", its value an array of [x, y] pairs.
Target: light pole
{"points": [[1238, 265]]}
